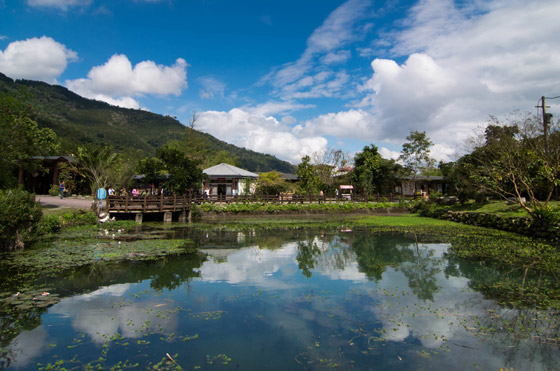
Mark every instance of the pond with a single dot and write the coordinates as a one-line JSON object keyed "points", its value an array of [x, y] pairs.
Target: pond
{"points": [[274, 299]]}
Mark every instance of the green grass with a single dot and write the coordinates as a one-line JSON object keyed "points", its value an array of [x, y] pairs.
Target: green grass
{"points": [[498, 207]]}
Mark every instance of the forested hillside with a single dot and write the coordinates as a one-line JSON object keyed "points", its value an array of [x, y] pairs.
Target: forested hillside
{"points": [[78, 121]]}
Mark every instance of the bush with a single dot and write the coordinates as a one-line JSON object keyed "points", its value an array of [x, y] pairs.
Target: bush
{"points": [[54, 191], [20, 216], [50, 224], [79, 218]]}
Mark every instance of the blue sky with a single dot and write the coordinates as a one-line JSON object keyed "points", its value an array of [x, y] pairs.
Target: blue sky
{"points": [[297, 77]]}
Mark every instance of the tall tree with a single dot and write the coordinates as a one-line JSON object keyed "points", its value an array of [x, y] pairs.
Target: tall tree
{"points": [[152, 168], [367, 169], [415, 154], [95, 164], [184, 172], [328, 162], [271, 183], [308, 182]]}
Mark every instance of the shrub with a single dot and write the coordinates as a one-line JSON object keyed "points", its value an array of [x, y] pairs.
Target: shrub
{"points": [[54, 191], [50, 224], [79, 218], [20, 216]]}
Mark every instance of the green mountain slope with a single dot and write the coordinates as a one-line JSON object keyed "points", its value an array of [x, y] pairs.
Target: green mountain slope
{"points": [[77, 121]]}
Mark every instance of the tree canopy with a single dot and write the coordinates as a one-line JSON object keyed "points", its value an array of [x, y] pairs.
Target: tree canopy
{"points": [[415, 154], [367, 169], [21, 138], [516, 160], [308, 180]]}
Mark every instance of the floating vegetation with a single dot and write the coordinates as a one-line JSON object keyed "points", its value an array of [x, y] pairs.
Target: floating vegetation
{"points": [[30, 299]]}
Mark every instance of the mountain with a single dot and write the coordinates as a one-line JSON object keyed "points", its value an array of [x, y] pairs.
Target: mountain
{"points": [[78, 121]]}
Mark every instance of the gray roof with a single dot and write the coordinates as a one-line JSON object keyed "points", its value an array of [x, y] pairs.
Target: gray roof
{"points": [[228, 171], [425, 177]]}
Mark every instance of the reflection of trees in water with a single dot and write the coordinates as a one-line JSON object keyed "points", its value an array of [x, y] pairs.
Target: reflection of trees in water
{"points": [[513, 286], [326, 251], [526, 337], [522, 317], [12, 323], [373, 253], [168, 272], [377, 252], [421, 273]]}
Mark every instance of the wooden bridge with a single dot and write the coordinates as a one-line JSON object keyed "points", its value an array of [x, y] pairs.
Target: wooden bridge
{"points": [[139, 205]]}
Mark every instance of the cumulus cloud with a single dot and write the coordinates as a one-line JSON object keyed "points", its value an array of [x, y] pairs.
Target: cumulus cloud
{"points": [[461, 65], [256, 130], [117, 81], [344, 124], [59, 4], [41, 59], [388, 154]]}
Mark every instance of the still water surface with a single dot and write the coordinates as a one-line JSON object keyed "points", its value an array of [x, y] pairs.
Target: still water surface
{"points": [[281, 299]]}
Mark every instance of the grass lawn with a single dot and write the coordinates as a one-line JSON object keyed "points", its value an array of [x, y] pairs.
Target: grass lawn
{"points": [[498, 207]]}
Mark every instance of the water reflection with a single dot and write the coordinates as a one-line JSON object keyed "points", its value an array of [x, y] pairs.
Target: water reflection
{"points": [[290, 299]]}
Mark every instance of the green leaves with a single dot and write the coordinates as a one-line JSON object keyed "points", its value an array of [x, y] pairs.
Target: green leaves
{"points": [[308, 180], [21, 138], [20, 216]]}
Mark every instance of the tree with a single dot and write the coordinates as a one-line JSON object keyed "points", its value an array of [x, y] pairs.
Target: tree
{"points": [[517, 161], [221, 157], [152, 168], [271, 183], [95, 164], [184, 173], [415, 154], [367, 169], [21, 138], [308, 182], [327, 163]]}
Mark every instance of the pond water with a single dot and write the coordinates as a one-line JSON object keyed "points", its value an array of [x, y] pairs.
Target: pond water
{"points": [[281, 299]]}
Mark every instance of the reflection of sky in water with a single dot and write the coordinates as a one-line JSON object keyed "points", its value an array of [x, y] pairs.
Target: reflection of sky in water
{"points": [[257, 306]]}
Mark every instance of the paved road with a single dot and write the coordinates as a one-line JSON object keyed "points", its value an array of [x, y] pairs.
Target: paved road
{"points": [[55, 202]]}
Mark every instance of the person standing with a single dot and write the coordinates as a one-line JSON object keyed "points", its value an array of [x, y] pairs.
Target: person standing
{"points": [[62, 189]]}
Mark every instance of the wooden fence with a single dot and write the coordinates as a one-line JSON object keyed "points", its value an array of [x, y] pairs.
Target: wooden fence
{"points": [[174, 203]]}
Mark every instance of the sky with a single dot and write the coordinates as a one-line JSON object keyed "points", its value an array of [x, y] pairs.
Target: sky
{"points": [[292, 78]]}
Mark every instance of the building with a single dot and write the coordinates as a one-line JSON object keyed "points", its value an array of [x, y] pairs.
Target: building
{"points": [[45, 177], [425, 185], [227, 180]]}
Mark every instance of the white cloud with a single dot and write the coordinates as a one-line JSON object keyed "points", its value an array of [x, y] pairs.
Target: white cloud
{"points": [[336, 57], [59, 4], [117, 81], [211, 88], [255, 130], [302, 78], [344, 124], [388, 154], [463, 64], [41, 59]]}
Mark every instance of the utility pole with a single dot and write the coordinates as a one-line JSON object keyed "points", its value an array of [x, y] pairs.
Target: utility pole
{"points": [[546, 117]]}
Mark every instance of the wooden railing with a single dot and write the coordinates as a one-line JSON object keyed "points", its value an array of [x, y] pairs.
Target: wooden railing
{"points": [[172, 203], [148, 204]]}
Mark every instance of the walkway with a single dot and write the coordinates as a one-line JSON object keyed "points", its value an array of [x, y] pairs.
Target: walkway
{"points": [[55, 202]]}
